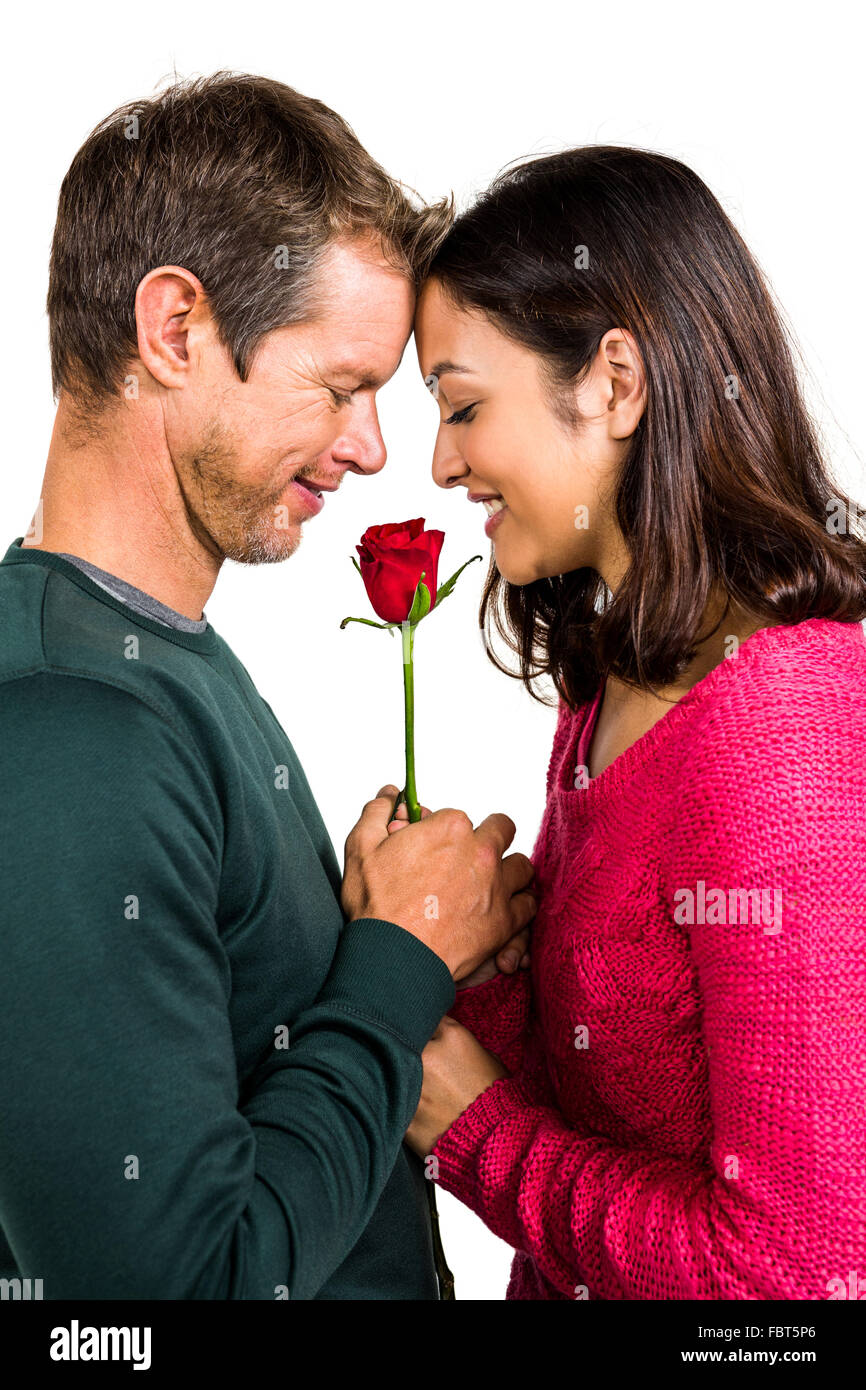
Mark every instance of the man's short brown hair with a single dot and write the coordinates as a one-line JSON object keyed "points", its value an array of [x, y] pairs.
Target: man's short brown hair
{"points": [[239, 179]]}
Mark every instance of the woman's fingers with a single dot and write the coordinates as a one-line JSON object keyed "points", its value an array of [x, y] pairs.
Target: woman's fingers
{"points": [[514, 952]]}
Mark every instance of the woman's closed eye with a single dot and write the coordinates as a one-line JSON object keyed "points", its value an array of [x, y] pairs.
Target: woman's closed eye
{"points": [[461, 416]]}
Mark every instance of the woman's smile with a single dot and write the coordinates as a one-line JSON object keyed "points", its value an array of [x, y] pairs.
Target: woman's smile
{"points": [[496, 510], [494, 505]]}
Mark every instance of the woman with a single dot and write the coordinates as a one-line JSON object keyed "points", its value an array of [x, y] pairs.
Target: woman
{"points": [[670, 1103]]}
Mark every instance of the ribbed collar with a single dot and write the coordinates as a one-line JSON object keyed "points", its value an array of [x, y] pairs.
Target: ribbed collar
{"points": [[194, 641]]}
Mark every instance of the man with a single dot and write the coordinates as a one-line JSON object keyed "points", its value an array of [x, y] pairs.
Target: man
{"points": [[212, 1043]]}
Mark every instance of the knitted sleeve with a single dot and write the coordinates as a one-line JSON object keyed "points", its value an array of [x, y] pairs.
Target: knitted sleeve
{"points": [[771, 802], [498, 1013]]}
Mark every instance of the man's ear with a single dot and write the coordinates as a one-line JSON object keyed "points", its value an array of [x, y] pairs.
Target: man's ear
{"points": [[620, 362], [170, 305]]}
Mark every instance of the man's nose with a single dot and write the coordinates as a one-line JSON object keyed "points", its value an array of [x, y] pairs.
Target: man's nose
{"points": [[362, 445]]}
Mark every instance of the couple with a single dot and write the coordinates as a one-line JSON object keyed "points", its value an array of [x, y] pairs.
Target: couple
{"points": [[229, 1067]]}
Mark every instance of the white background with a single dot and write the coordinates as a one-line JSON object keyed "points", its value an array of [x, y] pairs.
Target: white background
{"points": [[763, 100]]}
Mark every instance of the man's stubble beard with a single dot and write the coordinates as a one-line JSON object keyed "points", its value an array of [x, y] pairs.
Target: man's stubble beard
{"points": [[231, 519]]}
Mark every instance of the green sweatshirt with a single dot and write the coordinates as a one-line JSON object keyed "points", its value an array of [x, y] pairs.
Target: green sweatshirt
{"points": [[206, 1073]]}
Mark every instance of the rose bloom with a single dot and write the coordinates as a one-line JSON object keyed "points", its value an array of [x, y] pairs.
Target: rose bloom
{"points": [[392, 558]]}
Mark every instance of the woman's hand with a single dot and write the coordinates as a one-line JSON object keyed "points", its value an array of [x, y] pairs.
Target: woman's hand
{"points": [[456, 1070], [514, 954]]}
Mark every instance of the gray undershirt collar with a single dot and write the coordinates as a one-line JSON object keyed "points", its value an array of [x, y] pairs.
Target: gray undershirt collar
{"points": [[135, 598]]}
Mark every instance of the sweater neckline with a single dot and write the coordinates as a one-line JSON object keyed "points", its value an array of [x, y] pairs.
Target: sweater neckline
{"points": [[615, 777], [18, 553]]}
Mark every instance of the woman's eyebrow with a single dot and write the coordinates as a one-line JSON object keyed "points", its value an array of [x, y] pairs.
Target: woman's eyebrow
{"points": [[441, 368]]}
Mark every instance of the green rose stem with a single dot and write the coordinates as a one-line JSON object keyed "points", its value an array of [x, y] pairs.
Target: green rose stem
{"points": [[421, 606], [422, 603], [409, 792], [410, 795]]}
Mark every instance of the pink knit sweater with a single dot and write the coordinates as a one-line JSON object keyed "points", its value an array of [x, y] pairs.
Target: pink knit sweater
{"points": [[686, 1113]]}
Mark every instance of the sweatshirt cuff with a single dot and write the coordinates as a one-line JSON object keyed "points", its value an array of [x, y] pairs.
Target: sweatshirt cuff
{"points": [[385, 973]]}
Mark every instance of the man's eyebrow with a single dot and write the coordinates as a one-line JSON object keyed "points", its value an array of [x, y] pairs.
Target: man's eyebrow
{"points": [[364, 379], [367, 381]]}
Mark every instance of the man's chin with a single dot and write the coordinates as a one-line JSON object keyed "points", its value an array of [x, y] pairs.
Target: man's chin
{"points": [[266, 544]]}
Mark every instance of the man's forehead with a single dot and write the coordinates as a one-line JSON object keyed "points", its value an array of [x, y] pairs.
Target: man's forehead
{"points": [[356, 324], [356, 271], [357, 361]]}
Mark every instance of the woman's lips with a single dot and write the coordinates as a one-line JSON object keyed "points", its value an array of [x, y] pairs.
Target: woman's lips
{"points": [[495, 520]]}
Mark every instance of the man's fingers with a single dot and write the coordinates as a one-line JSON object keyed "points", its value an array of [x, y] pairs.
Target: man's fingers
{"points": [[402, 812], [372, 826], [518, 943], [523, 908], [402, 822], [499, 829], [517, 872]]}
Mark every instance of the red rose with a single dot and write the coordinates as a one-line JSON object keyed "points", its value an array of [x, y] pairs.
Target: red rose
{"points": [[392, 558]]}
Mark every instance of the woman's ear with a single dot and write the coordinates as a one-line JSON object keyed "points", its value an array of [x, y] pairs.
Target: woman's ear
{"points": [[621, 365]]}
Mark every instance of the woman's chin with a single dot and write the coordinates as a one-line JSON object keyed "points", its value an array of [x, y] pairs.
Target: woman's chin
{"points": [[523, 575], [512, 570], [518, 564]]}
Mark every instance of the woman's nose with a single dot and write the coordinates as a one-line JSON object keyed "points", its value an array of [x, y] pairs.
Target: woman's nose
{"points": [[448, 467]]}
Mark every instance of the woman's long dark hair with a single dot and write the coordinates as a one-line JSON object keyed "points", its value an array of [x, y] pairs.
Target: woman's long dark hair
{"points": [[724, 490]]}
